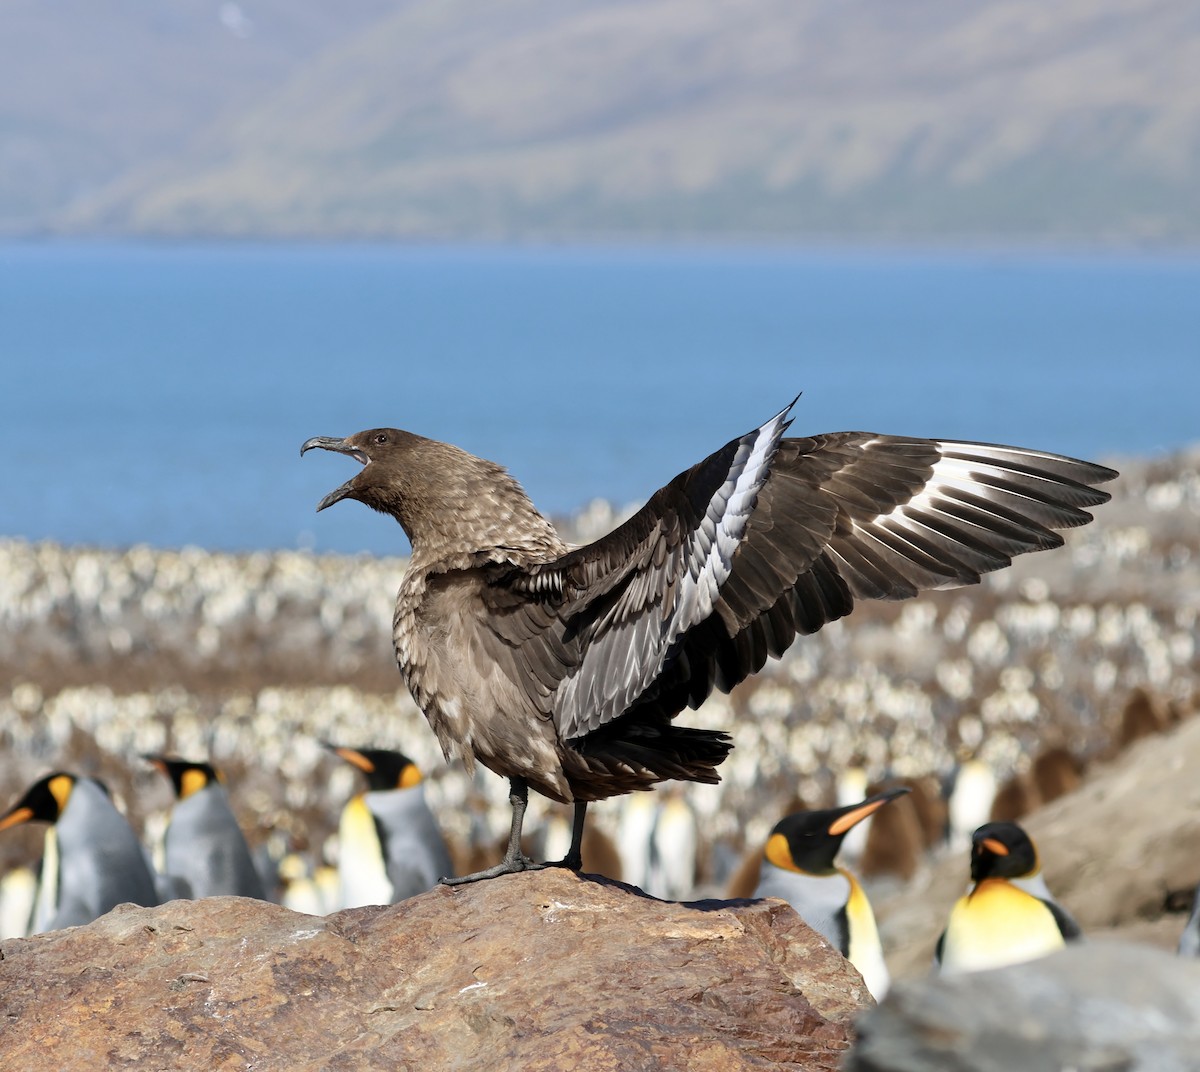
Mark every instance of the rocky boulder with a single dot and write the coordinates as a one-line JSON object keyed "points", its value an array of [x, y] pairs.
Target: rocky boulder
{"points": [[541, 971], [1107, 1007]]}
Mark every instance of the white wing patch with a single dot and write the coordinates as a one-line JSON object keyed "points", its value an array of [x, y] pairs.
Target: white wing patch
{"points": [[986, 502], [977, 475], [709, 553], [622, 661]]}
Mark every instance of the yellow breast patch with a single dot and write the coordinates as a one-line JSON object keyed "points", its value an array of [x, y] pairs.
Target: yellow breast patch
{"points": [[997, 924]]}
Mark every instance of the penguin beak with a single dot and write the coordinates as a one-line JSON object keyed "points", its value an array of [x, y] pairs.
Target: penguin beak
{"points": [[355, 759], [857, 813], [16, 817], [338, 446], [996, 848]]}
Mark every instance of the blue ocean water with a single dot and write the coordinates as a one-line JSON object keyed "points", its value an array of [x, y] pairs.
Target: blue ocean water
{"points": [[160, 394]]}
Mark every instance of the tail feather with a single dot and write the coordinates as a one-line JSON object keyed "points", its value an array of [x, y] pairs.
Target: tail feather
{"points": [[605, 764]]}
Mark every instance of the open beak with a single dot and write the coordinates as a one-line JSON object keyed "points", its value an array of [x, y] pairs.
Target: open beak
{"points": [[339, 446]]}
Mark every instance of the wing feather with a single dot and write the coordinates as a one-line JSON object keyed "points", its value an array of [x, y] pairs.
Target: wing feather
{"points": [[766, 539]]}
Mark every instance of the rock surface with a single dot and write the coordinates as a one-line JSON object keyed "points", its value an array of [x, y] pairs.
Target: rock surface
{"points": [[541, 971], [1106, 1007]]}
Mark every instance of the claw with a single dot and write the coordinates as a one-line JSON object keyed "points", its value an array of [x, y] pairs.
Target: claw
{"points": [[510, 865]]}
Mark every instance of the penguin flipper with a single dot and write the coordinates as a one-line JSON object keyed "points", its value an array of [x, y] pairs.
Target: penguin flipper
{"points": [[1070, 930], [841, 931]]}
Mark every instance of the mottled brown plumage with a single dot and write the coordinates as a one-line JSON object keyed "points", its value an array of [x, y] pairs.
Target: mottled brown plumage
{"points": [[563, 669]]}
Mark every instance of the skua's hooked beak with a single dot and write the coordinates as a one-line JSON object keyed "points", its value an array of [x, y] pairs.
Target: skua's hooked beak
{"points": [[339, 446]]}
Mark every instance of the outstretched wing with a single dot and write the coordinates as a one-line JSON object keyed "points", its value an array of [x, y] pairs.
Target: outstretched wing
{"points": [[763, 540]]}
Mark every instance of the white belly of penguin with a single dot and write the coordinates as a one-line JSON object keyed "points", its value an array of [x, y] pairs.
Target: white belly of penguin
{"points": [[818, 899], [835, 906]]}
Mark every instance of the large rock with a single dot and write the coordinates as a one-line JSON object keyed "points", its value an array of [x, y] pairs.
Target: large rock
{"points": [[544, 970], [1107, 1007]]}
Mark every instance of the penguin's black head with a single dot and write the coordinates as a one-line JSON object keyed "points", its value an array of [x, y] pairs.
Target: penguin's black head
{"points": [[44, 801], [1002, 850], [808, 841], [384, 769], [186, 776]]}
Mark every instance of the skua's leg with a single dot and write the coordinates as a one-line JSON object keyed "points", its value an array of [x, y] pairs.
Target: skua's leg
{"points": [[514, 859]]}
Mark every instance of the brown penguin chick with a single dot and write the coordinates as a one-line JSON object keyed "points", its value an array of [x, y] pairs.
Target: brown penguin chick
{"points": [[563, 670], [1142, 716], [599, 852], [1015, 799], [895, 841], [1056, 772], [925, 795], [744, 881], [470, 857]]}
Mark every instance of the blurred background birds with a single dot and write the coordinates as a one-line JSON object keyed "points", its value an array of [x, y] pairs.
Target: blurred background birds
{"points": [[389, 844], [92, 860], [204, 853]]}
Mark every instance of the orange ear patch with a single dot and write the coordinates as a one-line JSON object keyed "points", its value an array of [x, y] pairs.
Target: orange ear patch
{"points": [[778, 852], [409, 777], [193, 781], [60, 788], [997, 848]]}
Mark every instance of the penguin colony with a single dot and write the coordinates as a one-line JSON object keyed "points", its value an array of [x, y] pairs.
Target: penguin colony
{"points": [[654, 810], [93, 861], [390, 848]]}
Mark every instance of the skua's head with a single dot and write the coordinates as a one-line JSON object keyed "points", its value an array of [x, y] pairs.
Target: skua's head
{"points": [[421, 482]]}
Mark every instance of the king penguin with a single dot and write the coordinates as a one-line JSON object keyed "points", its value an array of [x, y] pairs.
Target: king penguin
{"points": [[798, 867], [389, 844], [1008, 916], [204, 851], [969, 800], [92, 861]]}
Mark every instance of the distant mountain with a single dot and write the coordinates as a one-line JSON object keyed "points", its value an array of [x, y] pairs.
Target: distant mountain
{"points": [[927, 119], [92, 91]]}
